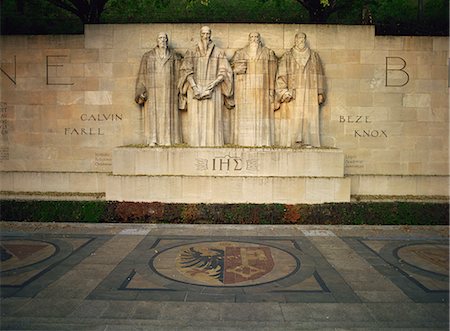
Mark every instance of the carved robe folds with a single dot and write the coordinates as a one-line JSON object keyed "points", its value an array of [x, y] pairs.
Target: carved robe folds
{"points": [[156, 83], [203, 123], [297, 121], [253, 117]]}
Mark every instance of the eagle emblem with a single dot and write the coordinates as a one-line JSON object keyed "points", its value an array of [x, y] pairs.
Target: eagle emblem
{"points": [[225, 263]]}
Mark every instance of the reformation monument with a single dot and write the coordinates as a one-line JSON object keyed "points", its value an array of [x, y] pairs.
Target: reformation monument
{"points": [[225, 113]]}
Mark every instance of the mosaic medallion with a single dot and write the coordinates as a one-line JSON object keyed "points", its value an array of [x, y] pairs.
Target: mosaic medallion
{"points": [[225, 263], [428, 257], [21, 253]]}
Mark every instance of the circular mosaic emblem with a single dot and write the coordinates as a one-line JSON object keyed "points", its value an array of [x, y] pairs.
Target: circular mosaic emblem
{"points": [[428, 257], [225, 263], [16, 254]]}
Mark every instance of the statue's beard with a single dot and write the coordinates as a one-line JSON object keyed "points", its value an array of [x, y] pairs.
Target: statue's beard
{"points": [[254, 44]]}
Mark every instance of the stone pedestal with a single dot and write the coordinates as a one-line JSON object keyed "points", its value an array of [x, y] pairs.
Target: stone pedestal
{"points": [[228, 175]]}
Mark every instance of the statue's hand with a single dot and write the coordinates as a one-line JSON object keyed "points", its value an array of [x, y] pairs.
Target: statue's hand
{"points": [[212, 84], [321, 98], [197, 92], [286, 97], [240, 67], [140, 100]]}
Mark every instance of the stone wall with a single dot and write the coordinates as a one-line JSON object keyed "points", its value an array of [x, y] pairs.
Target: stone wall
{"points": [[68, 100]]}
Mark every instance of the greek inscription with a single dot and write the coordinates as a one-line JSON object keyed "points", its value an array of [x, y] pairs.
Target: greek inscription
{"points": [[14, 80], [227, 163], [392, 71], [53, 79]]}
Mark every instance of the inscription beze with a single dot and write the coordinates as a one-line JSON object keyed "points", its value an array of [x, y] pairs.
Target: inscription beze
{"points": [[362, 133]]}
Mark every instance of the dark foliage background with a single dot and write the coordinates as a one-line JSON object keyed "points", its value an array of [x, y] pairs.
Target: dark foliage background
{"points": [[390, 17]]}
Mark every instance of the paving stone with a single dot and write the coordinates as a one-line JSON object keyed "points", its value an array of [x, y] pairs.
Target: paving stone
{"points": [[48, 307], [191, 311], [338, 286], [90, 309], [147, 310], [9, 306], [325, 312], [119, 309], [412, 313], [251, 312]]}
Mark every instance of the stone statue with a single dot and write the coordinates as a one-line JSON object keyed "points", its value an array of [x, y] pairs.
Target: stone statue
{"points": [[156, 90], [255, 68], [206, 85], [300, 89]]}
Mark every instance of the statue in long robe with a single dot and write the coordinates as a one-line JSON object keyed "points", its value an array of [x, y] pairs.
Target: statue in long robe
{"points": [[255, 68], [206, 86], [300, 90], [156, 90]]}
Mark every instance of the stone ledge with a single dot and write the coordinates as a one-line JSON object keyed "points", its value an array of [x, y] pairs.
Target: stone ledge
{"points": [[196, 189], [228, 162]]}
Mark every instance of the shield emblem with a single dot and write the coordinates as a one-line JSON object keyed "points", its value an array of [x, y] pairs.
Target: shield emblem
{"points": [[246, 263], [225, 263]]}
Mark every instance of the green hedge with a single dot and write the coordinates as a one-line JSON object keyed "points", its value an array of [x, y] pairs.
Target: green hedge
{"points": [[383, 213]]}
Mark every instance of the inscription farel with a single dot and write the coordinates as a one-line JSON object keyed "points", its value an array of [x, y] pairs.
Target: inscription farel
{"points": [[83, 132]]}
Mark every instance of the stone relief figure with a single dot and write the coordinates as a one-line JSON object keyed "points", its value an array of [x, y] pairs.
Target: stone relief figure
{"points": [[255, 68], [206, 85], [156, 90], [300, 89]]}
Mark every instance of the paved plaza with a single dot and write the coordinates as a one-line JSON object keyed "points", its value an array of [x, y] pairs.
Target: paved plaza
{"points": [[223, 277]]}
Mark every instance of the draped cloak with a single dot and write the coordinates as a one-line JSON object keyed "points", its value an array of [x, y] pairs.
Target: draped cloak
{"points": [[203, 122], [253, 116], [297, 121], [157, 80]]}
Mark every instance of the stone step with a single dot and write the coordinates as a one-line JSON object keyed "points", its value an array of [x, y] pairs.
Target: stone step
{"points": [[220, 189]]}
